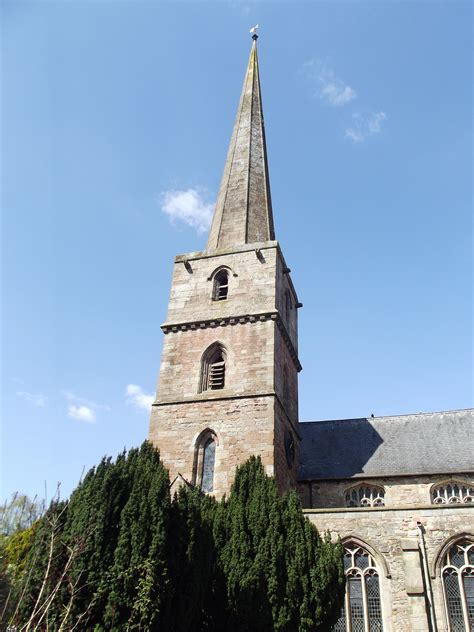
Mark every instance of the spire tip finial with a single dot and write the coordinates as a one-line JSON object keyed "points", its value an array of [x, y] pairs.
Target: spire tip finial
{"points": [[253, 32]]}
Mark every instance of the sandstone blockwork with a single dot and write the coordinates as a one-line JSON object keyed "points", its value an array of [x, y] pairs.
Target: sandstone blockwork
{"points": [[255, 409]]}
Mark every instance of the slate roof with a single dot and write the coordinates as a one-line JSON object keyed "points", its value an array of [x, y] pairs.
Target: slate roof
{"points": [[423, 443]]}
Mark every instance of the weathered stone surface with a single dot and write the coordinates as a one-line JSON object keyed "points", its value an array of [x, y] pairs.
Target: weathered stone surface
{"points": [[257, 326], [243, 212]]}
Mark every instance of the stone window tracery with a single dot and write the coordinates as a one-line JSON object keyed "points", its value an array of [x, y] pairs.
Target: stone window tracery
{"points": [[458, 584], [452, 492], [362, 610], [365, 496], [213, 366]]}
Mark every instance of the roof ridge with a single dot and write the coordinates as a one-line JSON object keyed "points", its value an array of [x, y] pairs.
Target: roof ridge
{"points": [[433, 412]]}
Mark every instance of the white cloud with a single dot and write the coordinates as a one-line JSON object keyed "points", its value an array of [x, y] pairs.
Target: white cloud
{"points": [[83, 413], [188, 207], [326, 85], [135, 396], [37, 399], [364, 126], [72, 397]]}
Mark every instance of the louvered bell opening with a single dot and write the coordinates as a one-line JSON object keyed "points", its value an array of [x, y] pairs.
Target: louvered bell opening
{"points": [[221, 286], [216, 375], [222, 291]]}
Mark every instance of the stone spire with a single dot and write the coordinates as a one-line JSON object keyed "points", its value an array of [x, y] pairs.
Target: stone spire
{"points": [[243, 212]]}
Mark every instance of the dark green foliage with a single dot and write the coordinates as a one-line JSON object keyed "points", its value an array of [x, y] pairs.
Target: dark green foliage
{"points": [[123, 555], [280, 574]]}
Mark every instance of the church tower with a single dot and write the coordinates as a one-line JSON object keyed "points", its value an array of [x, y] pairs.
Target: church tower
{"points": [[228, 385]]}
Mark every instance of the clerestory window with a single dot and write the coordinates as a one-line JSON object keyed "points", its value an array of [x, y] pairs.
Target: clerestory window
{"points": [[221, 286], [452, 492], [365, 496], [458, 584], [213, 366], [362, 610]]}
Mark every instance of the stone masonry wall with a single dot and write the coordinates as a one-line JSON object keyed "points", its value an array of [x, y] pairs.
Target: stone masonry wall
{"points": [[252, 413], [400, 490], [387, 531], [251, 283], [243, 427], [249, 362]]}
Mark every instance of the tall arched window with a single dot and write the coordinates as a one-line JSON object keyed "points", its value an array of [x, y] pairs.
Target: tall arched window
{"points": [[220, 288], [458, 582], [362, 610], [213, 368], [205, 458], [452, 492]]}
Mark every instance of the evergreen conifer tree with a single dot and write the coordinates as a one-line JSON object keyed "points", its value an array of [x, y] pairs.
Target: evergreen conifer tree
{"points": [[280, 575], [123, 555]]}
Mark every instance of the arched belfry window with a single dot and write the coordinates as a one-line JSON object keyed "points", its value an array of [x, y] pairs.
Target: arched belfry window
{"points": [[365, 496], [205, 459], [213, 366], [362, 610], [452, 493], [220, 289], [458, 583]]}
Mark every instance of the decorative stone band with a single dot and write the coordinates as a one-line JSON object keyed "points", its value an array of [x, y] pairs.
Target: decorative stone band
{"points": [[411, 508], [237, 320]]}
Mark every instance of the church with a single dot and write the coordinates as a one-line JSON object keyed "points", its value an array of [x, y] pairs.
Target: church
{"points": [[398, 490]]}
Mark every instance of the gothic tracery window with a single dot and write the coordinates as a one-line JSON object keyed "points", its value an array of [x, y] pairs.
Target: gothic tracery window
{"points": [[452, 492], [365, 496], [362, 610], [213, 368], [458, 583], [221, 286]]}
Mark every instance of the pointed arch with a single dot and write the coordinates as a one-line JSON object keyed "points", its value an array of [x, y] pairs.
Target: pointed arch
{"points": [[378, 557], [205, 449], [213, 368], [443, 549], [362, 609], [456, 572]]}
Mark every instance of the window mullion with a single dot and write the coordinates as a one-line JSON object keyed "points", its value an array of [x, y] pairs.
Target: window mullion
{"points": [[462, 592], [348, 609], [365, 605]]}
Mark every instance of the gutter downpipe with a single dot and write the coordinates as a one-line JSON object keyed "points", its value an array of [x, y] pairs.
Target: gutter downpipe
{"points": [[429, 591]]}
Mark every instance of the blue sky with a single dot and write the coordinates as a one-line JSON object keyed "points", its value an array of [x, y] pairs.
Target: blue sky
{"points": [[116, 118]]}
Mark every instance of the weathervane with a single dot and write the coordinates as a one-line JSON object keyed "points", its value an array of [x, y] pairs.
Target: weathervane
{"points": [[253, 31]]}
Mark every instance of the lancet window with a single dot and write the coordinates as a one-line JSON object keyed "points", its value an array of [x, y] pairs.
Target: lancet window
{"points": [[221, 286], [365, 496], [452, 492], [213, 367], [205, 459], [362, 610], [458, 583]]}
